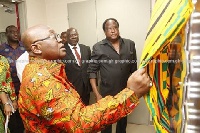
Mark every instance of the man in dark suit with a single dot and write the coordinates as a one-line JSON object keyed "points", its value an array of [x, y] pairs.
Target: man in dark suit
{"points": [[76, 61]]}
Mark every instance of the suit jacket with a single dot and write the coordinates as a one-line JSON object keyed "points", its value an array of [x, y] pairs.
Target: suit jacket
{"points": [[76, 74]]}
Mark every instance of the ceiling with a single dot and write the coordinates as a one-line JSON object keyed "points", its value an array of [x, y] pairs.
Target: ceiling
{"points": [[11, 1], [6, 5]]}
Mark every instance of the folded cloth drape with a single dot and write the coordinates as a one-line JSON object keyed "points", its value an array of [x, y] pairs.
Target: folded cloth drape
{"points": [[168, 18]]}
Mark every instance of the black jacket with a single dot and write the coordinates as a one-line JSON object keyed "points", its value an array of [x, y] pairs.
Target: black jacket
{"points": [[76, 74], [114, 68]]}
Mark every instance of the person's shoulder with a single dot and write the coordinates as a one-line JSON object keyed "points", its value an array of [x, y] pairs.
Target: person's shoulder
{"points": [[128, 40], [102, 42], [3, 59], [21, 45], [3, 46], [129, 43], [33, 70], [4, 62], [83, 45]]}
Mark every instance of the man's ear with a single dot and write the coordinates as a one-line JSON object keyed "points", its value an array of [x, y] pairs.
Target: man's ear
{"points": [[36, 48]]}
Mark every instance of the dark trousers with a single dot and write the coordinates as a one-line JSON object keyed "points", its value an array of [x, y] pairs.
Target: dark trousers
{"points": [[15, 124], [84, 92], [120, 128], [86, 99]]}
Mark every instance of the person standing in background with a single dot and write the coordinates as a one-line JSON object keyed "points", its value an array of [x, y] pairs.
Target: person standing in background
{"points": [[7, 92], [12, 50], [76, 64], [115, 58], [63, 36]]}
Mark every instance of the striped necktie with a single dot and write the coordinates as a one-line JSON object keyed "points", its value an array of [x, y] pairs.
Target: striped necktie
{"points": [[77, 56]]}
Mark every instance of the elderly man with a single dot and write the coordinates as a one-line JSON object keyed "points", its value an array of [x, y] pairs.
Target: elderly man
{"points": [[48, 102], [75, 64]]}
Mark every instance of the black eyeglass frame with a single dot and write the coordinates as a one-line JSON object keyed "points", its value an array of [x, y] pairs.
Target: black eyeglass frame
{"points": [[57, 36]]}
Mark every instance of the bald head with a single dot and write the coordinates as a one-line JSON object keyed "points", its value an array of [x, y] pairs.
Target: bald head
{"points": [[41, 41], [34, 33]]}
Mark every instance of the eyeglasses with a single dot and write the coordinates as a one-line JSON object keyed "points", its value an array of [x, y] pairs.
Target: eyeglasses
{"points": [[56, 36]]}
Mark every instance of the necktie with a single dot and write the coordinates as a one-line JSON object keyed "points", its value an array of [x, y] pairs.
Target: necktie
{"points": [[77, 56]]}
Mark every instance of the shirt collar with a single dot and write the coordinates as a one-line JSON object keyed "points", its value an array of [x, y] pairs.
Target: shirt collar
{"points": [[71, 47], [20, 44], [105, 41], [53, 66]]}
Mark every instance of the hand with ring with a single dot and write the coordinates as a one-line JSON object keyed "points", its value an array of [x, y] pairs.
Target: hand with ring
{"points": [[150, 84], [139, 82]]}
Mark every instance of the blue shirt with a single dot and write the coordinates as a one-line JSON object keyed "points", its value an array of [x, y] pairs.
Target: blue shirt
{"points": [[12, 55]]}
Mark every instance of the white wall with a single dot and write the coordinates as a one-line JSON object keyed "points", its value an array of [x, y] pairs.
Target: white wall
{"points": [[35, 12], [53, 13], [50, 12], [58, 17], [7, 19]]}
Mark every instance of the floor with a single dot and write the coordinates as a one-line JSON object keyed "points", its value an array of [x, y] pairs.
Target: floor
{"points": [[133, 128]]}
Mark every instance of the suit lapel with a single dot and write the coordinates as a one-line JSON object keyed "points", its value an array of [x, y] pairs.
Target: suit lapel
{"points": [[81, 50], [69, 53]]}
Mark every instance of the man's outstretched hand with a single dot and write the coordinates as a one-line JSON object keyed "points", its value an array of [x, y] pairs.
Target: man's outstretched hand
{"points": [[139, 82]]}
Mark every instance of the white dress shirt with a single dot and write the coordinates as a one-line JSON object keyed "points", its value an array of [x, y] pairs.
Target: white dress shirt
{"points": [[21, 62], [78, 50]]}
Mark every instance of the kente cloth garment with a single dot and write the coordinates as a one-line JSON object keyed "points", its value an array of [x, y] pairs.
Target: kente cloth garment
{"points": [[168, 18], [5, 86], [175, 74], [48, 103], [12, 55]]}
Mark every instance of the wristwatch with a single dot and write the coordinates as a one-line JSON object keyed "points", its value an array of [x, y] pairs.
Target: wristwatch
{"points": [[7, 103]]}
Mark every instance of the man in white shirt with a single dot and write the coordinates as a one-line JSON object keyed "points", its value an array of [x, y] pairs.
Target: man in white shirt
{"points": [[21, 62]]}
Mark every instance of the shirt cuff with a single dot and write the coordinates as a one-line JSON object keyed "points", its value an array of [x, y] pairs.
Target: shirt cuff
{"points": [[92, 75], [132, 99]]}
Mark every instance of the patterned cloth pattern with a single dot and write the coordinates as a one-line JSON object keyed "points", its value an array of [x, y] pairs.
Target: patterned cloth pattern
{"points": [[49, 103], [169, 17], [5, 86]]}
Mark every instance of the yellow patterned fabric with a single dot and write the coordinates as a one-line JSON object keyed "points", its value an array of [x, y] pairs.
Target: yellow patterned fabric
{"points": [[175, 96], [169, 18], [5, 86]]}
